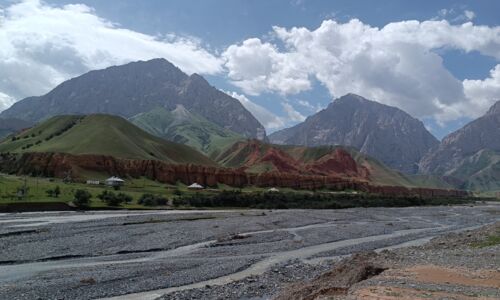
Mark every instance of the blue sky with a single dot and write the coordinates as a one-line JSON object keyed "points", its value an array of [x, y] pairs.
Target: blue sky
{"points": [[220, 33]]}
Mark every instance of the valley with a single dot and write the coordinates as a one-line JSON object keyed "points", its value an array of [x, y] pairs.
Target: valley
{"points": [[249, 150], [201, 254]]}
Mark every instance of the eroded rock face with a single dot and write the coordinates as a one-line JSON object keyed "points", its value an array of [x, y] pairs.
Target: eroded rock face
{"points": [[383, 132], [135, 88], [460, 147], [60, 165]]}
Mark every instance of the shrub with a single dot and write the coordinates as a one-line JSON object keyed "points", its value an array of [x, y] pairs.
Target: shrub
{"points": [[113, 199], [152, 200], [124, 198], [54, 192], [82, 198]]}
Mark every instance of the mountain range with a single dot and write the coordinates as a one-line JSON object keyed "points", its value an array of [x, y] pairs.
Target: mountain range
{"points": [[135, 88], [163, 114]]}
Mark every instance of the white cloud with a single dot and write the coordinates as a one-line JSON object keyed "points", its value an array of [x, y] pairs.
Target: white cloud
{"points": [[293, 115], [396, 64], [483, 93], [256, 67], [5, 101], [42, 45], [264, 116]]}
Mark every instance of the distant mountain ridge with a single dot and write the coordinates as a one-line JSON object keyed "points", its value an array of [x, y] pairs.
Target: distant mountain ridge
{"points": [[135, 88], [381, 131]]}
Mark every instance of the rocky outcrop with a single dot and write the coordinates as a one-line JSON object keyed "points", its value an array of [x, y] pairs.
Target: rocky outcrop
{"points": [[135, 88], [61, 165], [383, 132]]}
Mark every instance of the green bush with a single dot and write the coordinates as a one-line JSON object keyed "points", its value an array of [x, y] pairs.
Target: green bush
{"points": [[54, 192], [113, 199], [82, 198], [152, 200]]}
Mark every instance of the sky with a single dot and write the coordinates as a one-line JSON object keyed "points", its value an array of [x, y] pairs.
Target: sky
{"points": [[283, 60]]}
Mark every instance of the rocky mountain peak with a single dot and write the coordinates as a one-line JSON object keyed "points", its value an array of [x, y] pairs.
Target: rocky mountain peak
{"points": [[495, 109], [384, 132]]}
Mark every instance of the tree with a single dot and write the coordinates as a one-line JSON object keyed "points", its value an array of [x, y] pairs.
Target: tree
{"points": [[82, 198]]}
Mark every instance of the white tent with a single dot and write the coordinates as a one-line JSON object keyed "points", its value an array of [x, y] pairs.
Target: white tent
{"points": [[195, 186], [273, 190], [114, 181]]}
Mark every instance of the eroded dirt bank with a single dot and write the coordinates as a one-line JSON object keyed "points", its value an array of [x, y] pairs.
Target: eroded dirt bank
{"points": [[463, 265]]}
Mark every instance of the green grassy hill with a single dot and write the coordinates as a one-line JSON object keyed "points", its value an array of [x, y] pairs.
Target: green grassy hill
{"points": [[101, 135], [184, 127]]}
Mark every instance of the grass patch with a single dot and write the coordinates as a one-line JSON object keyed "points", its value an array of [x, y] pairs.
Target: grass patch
{"points": [[490, 241]]}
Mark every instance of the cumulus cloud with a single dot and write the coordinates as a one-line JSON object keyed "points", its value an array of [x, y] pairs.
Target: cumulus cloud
{"points": [[293, 115], [263, 115], [396, 65], [42, 45], [482, 93], [256, 67]]}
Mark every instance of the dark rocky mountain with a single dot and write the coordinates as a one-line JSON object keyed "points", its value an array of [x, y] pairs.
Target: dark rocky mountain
{"points": [[383, 132], [135, 88], [471, 153]]}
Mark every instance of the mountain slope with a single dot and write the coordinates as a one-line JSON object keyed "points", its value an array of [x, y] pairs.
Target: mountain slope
{"points": [[183, 127], [138, 87], [100, 135], [471, 154], [383, 132], [11, 125]]}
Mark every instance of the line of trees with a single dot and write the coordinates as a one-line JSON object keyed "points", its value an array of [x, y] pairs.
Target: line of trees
{"points": [[273, 200]]}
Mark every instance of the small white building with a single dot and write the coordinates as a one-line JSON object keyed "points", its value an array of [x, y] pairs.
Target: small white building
{"points": [[195, 186], [93, 182], [114, 181], [273, 190]]}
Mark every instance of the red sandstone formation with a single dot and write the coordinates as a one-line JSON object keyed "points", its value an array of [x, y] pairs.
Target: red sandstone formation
{"points": [[60, 164]]}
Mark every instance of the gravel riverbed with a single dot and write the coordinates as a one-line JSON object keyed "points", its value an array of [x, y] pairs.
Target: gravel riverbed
{"points": [[247, 254]]}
